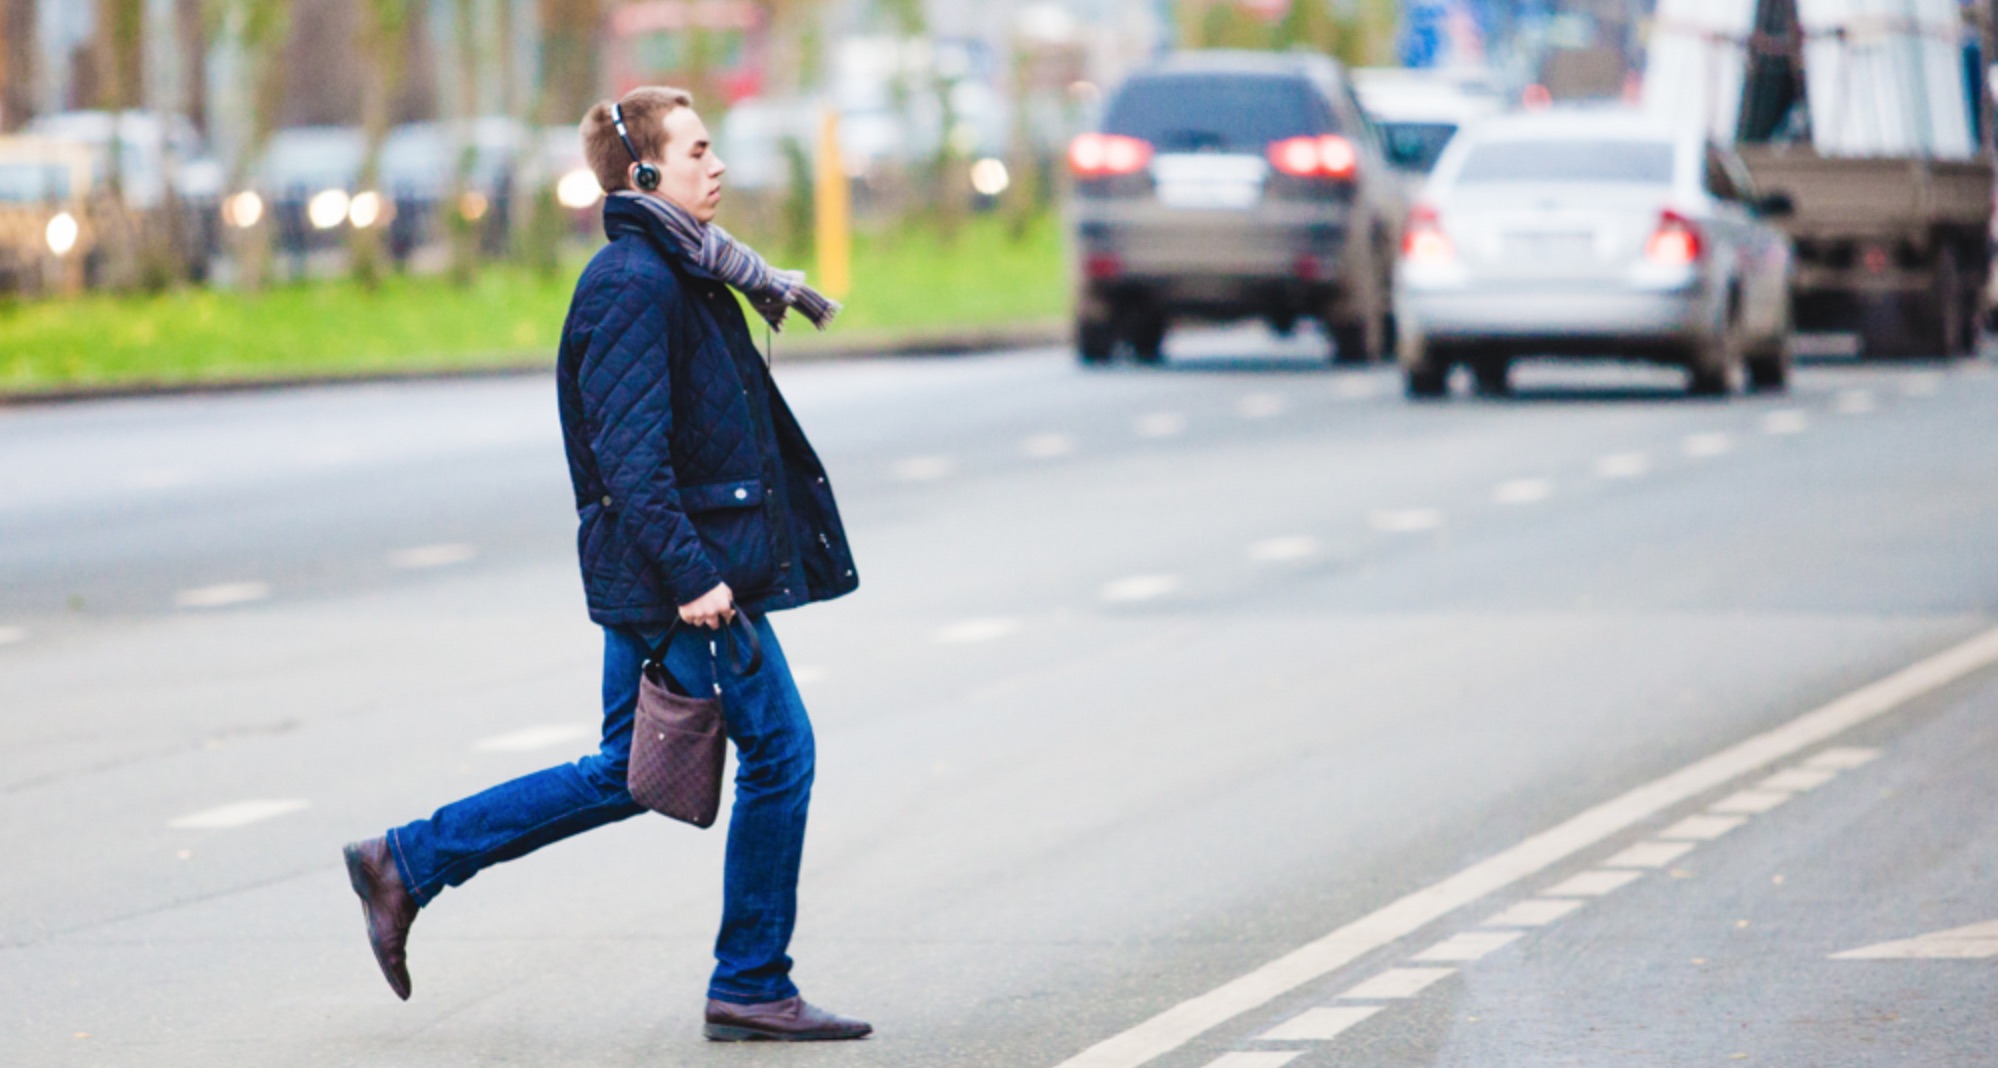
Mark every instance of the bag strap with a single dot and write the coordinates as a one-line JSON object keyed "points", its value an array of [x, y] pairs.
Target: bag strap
{"points": [[753, 664]]}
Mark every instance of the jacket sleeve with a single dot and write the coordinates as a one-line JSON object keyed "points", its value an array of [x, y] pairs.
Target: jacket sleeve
{"points": [[628, 405]]}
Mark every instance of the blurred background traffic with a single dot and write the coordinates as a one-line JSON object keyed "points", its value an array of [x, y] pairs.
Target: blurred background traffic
{"points": [[407, 173]]}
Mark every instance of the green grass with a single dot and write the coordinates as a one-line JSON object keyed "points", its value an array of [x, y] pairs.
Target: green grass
{"points": [[509, 317]]}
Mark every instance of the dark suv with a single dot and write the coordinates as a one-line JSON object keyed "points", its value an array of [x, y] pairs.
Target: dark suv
{"points": [[1233, 185]]}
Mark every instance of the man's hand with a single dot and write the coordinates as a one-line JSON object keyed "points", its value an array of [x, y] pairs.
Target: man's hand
{"points": [[715, 608]]}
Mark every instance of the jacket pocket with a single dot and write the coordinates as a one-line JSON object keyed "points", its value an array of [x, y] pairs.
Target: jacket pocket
{"points": [[734, 525]]}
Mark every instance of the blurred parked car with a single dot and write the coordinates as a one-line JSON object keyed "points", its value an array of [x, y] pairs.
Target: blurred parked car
{"points": [[1233, 185], [152, 158], [307, 180], [45, 229], [1418, 111], [1592, 234]]}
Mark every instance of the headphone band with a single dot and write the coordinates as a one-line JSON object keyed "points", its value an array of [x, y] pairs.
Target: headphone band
{"points": [[617, 120]]}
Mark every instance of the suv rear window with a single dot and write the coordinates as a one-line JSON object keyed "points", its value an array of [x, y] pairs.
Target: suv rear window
{"points": [[1217, 112], [1636, 162]]}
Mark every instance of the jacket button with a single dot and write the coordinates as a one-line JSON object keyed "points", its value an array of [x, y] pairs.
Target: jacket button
{"points": [[606, 501], [742, 495]]}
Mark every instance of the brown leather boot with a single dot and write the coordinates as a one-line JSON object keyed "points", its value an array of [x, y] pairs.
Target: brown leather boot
{"points": [[790, 1020], [387, 907]]}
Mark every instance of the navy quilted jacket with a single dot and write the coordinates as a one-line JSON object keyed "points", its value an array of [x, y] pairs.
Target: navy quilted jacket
{"points": [[689, 468]]}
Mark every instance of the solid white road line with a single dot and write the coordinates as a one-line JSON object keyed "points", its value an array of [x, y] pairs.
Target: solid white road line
{"points": [[1405, 520], [1256, 1059], [1400, 983], [1047, 446], [1749, 802], [1703, 446], [969, 631], [1797, 780], [239, 814], [1186, 1021], [1280, 550], [1650, 855], [1623, 465], [1160, 425], [11, 635], [1471, 945], [1140, 588], [924, 468], [1536, 912], [1702, 828], [531, 738], [222, 595], [1785, 421], [442, 555], [1318, 1025], [1260, 406], [1958, 943], [1522, 491], [1592, 883]]}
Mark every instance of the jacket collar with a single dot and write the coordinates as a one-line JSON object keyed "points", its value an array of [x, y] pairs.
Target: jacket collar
{"points": [[623, 218]]}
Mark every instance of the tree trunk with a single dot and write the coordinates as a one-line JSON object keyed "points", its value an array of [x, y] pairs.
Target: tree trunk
{"points": [[18, 53], [265, 29], [379, 46], [464, 230]]}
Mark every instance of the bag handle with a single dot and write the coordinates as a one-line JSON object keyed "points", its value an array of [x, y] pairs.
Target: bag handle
{"points": [[751, 666]]}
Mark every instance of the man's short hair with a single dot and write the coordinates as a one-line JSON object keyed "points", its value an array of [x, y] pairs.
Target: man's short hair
{"points": [[645, 109]]}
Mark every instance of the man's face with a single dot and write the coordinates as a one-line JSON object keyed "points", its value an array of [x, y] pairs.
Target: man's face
{"points": [[690, 175]]}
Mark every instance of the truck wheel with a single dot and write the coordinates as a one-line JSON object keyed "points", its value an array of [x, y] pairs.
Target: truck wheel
{"points": [[1356, 343], [1148, 340], [1493, 374], [1425, 375], [1953, 333], [1093, 341]]}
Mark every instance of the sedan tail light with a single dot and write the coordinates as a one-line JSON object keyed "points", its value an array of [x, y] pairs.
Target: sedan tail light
{"points": [[1676, 242], [1095, 155], [1423, 240], [1329, 156]]}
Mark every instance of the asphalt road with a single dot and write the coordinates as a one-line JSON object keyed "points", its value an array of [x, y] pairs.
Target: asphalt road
{"points": [[1234, 714]]}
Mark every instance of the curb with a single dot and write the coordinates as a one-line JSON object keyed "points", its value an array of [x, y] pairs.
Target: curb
{"points": [[898, 345]]}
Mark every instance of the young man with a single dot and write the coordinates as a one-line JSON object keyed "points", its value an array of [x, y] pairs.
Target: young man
{"points": [[698, 498]]}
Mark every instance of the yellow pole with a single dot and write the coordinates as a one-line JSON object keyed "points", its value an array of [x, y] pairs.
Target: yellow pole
{"points": [[833, 212]]}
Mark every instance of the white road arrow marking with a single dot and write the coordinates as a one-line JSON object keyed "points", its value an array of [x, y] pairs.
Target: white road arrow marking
{"points": [[1957, 943]]}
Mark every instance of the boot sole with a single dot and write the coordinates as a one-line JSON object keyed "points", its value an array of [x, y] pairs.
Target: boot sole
{"points": [[729, 1033], [357, 878]]}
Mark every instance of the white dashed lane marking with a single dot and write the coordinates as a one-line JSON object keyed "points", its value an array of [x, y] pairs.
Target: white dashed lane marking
{"points": [[1405, 520], [1522, 491], [1702, 828], [1537, 912], [12, 635], [222, 595], [1471, 945], [1320, 1024], [1976, 941], [1160, 425], [971, 631], [1140, 588], [1843, 758], [1920, 386], [1798, 780], [238, 814], [1357, 388], [528, 739], [1256, 1059], [1280, 550], [1623, 465], [1400, 983], [1702, 446], [1259, 406], [1785, 421], [1047, 446], [1749, 802], [1853, 402], [1592, 883], [442, 555], [1650, 855], [924, 468]]}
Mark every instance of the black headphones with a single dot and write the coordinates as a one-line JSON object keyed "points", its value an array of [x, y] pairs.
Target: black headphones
{"points": [[647, 176]]}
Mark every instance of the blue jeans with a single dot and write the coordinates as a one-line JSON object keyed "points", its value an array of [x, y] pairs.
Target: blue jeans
{"points": [[766, 830]]}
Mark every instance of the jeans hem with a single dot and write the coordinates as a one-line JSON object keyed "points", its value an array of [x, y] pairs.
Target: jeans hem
{"points": [[789, 990]]}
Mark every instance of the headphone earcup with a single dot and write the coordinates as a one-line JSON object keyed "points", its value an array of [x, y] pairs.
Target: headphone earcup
{"points": [[647, 177]]}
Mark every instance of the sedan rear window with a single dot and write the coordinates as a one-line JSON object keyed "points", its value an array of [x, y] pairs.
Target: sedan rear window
{"points": [[1216, 112], [1636, 162]]}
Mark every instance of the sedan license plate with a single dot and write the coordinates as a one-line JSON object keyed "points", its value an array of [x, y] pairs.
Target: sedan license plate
{"points": [[1551, 248], [1210, 196]]}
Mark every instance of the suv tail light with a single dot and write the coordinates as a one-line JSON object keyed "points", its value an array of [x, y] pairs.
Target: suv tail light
{"points": [[1676, 242], [1329, 156], [1096, 155], [1423, 240]]}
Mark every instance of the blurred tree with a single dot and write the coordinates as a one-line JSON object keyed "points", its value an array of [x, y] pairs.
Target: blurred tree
{"points": [[379, 48], [19, 49], [460, 223], [261, 29], [566, 84], [191, 36]]}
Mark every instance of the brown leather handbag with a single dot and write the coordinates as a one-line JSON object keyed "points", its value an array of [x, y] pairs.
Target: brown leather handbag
{"points": [[677, 741]]}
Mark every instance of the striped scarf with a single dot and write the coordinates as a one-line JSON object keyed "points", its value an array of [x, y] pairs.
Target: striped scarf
{"points": [[771, 291]]}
